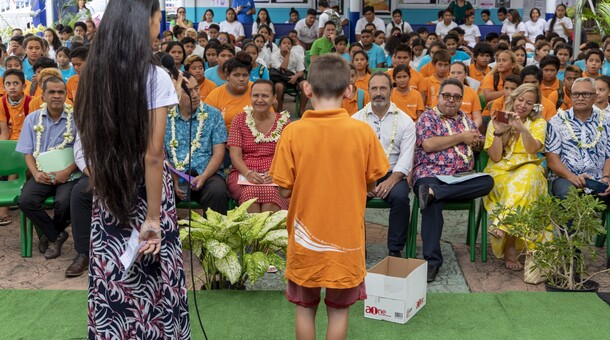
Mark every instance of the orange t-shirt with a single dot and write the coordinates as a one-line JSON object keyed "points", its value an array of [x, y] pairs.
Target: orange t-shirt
{"points": [[547, 90], [488, 83], [326, 241], [363, 82], [409, 103], [414, 80], [476, 74], [205, 88], [548, 108], [430, 87], [17, 116], [28, 88], [497, 105], [427, 70], [351, 105], [567, 101], [470, 102], [37, 102], [229, 105], [71, 87]]}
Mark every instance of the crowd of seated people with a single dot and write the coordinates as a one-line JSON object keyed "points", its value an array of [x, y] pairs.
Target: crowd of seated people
{"points": [[432, 97]]}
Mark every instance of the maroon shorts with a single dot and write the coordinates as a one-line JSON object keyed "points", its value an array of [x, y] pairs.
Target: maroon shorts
{"points": [[335, 298]]}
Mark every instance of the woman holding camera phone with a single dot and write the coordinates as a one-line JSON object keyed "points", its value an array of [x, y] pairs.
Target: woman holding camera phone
{"points": [[514, 139]]}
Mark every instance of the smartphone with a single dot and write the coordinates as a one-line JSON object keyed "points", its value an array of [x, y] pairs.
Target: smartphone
{"points": [[501, 116], [597, 186]]}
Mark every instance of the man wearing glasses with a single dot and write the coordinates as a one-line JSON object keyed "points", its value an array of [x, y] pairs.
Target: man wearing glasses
{"points": [[445, 142], [396, 133], [578, 142]]}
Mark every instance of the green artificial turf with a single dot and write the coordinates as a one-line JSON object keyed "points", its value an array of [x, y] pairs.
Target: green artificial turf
{"points": [[27, 314]]}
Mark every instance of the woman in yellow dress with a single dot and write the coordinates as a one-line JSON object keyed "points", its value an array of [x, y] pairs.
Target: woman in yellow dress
{"points": [[515, 166]]}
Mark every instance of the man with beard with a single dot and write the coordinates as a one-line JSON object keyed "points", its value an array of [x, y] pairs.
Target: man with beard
{"points": [[396, 132], [445, 141]]}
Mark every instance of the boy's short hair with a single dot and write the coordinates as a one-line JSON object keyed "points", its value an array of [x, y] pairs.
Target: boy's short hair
{"points": [[441, 55], [225, 47], [44, 62], [504, 37], [323, 3], [81, 25], [168, 34], [340, 38], [378, 33], [365, 31], [329, 23], [486, 11], [502, 10], [483, 48], [38, 39], [192, 59], [367, 9], [593, 51], [501, 47], [402, 48], [67, 29], [401, 68], [202, 34], [46, 72], [80, 52], [491, 36], [450, 37], [422, 30], [214, 26], [531, 70], [13, 58], [573, 69], [550, 60], [14, 72], [513, 78], [458, 30], [329, 76], [187, 40]]}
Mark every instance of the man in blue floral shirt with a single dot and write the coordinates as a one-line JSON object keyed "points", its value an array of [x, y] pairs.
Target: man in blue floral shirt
{"points": [[578, 142], [207, 142], [445, 141]]}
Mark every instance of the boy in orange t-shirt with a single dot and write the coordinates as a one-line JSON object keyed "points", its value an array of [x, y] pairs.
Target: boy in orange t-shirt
{"points": [[402, 56], [430, 86], [14, 107], [195, 66], [78, 58], [549, 65], [359, 97], [326, 244]]}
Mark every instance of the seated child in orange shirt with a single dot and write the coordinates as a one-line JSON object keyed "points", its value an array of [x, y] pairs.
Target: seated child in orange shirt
{"points": [[403, 95], [471, 104], [430, 86], [326, 246], [363, 73], [359, 97], [78, 57]]}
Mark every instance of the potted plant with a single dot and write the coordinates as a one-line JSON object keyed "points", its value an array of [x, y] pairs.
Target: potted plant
{"points": [[561, 258], [237, 247]]}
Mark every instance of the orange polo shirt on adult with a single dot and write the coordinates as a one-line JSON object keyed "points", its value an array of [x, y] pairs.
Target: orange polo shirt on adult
{"points": [[547, 90], [363, 82], [409, 103], [71, 87], [228, 104], [474, 73], [351, 104], [205, 88], [430, 87], [470, 101], [16, 114], [566, 104], [326, 241], [414, 79]]}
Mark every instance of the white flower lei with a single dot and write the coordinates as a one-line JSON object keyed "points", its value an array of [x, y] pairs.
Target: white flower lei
{"points": [[39, 128], [466, 157], [364, 117], [582, 145], [274, 135], [195, 144]]}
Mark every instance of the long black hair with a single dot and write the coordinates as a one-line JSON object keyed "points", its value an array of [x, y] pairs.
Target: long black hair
{"points": [[552, 23], [112, 114]]}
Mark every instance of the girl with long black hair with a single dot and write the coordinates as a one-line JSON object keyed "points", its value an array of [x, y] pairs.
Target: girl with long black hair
{"points": [[122, 123]]}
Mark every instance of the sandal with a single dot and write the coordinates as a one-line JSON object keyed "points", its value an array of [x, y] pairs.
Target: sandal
{"points": [[272, 269], [495, 233], [5, 220]]}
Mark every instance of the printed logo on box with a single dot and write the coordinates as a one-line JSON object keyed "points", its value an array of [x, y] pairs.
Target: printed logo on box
{"points": [[375, 311], [419, 303]]}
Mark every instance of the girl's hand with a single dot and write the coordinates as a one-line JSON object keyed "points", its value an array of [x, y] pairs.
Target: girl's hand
{"points": [[150, 232]]}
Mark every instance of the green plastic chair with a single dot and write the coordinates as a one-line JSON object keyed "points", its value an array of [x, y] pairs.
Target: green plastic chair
{"points": [[471, 235], [28, 230], [482, 214], [13, 162]]}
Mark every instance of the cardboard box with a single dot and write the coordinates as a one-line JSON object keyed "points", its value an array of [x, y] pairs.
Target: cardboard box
{"points": [[396, 289]]}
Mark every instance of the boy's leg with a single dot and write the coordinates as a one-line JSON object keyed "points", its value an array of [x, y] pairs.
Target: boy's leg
{"points": [[306, 323], [337, 323]]}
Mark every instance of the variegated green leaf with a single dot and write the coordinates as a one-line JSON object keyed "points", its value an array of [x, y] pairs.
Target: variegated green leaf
{"points": [[278, 238], [240, 212], [217, 249], [229, 266], [214, 217], [257, 266], [275, 221], [277, 261], [256, 222]]}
